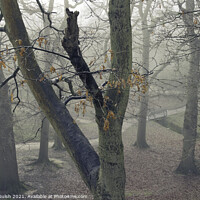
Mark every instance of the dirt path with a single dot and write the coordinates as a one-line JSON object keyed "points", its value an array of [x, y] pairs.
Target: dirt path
{"points": [[149, 172]]}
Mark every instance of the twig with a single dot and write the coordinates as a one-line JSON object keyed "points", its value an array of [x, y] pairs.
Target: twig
{"points": [[10, 77], [17, 96], [48, 14], [74, 98], [36, 132]]}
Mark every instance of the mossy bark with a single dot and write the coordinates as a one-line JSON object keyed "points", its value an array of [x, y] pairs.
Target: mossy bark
{"points": [[9, 178], [112, 172]]}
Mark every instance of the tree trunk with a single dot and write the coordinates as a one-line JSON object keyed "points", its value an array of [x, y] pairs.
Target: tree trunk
{"points": [[77, 145], [111, 183], [57, 143], [112, 173], [44, 140], [142, 120], [9, 179], [141, 131], [187, 163]]}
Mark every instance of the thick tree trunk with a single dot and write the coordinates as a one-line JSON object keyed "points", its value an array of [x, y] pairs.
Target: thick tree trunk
{"points": [[79, 148], [44, 140], [142, 120], [9, 179], [187, 163], [112, 173]]}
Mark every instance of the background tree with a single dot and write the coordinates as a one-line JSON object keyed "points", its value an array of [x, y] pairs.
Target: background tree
{"points": [[187, 163], [44, 138], [9, 178], [154, 57]]}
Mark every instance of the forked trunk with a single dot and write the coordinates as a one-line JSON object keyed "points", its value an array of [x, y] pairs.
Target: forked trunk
{"points": [[111, 184]]}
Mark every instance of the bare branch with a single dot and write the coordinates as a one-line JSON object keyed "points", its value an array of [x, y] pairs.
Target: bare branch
{"points": [[31, 10], [36, 133], [74, 98], [17, 96], [10, 77], [48, 14], [38, 49], [2, 29], [71, 45]]}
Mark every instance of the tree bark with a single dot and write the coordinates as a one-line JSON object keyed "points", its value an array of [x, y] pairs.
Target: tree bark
{"points": [[111, 184], [9, 179], [142, 120], [112, 172], [44, 140], [187, 163]]}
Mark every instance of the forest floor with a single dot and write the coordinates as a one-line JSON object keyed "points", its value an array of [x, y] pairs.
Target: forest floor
{"points": [[150, 173]]}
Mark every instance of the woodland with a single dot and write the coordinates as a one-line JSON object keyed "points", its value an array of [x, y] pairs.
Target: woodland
{"points": [[99, 99]]}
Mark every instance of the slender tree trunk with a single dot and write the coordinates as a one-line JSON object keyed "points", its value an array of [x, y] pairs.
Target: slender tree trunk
{"points": [[9, 179], [141, 131], [57, 143], [187, 163], [142, 120], [44, 140]]}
